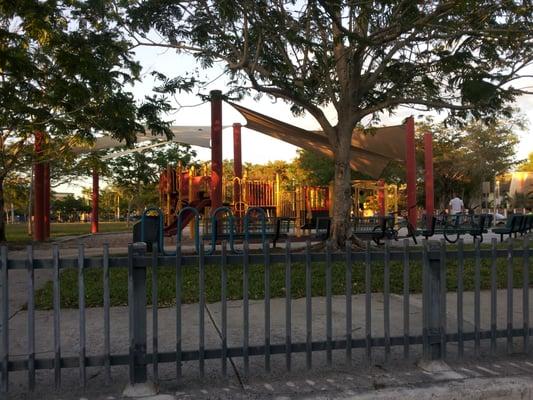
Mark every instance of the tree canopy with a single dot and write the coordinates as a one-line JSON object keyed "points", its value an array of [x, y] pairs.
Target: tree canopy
{"points": [[136, 174], [466, 157], [527, 165], [361, 58], [66, 70]]}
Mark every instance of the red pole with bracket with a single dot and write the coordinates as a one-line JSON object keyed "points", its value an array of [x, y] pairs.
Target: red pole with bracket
{"points": [[237, 160], [95, 199], [38, 190], [216, 149], [428, 178], [410, 163], [46, 200]]}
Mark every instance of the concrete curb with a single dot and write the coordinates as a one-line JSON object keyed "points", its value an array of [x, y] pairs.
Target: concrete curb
{"points": [[468, 389]]}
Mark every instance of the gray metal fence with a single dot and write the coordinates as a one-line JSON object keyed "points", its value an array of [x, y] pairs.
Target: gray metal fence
{"points": [[434, 258]]}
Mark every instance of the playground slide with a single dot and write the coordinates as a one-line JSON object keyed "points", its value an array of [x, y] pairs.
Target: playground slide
{"points": [[200, 205]]}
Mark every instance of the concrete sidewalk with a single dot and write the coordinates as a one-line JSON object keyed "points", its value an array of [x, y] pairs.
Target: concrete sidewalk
{"points": [[341, 381]]}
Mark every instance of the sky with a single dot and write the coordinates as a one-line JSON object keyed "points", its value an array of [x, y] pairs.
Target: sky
{"points": [[257, 148]]}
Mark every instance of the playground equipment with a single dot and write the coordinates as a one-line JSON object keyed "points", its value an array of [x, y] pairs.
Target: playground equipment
{"points": [[303, 208], [372, 198], [181, 190]]}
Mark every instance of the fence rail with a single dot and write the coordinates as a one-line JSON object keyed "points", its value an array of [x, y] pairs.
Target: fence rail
{"points": [[434, 258]]}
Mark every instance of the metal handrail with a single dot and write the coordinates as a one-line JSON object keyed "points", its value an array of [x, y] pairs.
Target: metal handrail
{"points": [[179, 216]]}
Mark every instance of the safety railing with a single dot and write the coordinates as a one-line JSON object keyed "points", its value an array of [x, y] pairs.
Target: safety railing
{"points": [[338, 290]]}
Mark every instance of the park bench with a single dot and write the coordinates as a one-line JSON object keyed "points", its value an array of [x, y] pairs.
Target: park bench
{"points": [[454, 226], [425, 230], [527, 224], [512, 226], [516, 224], [370, 228], [221, 230]]}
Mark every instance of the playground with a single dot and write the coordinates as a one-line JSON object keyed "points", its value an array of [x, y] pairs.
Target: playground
{"points": [[198, 206]]}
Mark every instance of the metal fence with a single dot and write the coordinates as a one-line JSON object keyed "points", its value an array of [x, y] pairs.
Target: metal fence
{"points": [[434, 258]]}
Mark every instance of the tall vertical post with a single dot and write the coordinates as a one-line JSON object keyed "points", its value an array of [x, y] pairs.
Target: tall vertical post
{"points": [[237, 150], [410, 163], [38, 192], [137, 309], [433, 301], [216, 149], [95, 199], [46, 200], [237, 161], [428, 179]]}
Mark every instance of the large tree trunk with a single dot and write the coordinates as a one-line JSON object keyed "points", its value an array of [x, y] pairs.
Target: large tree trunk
{"points": [[3, 237], [341, 226]]}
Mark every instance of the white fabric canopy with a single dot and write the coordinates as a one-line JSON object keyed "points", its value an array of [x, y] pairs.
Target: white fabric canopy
{"points": [[193, 135]]}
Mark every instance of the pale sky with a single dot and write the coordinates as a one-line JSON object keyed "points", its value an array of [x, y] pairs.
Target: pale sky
{"points": [[256, 147]]}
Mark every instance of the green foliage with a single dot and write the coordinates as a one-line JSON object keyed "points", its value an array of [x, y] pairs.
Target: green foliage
{"points": [[317, 169], [527, 165], [16, 190], [190, 289], [66, 69], [464, 157], [69, 208], [359, 59], [18, 233], [136, 174]]}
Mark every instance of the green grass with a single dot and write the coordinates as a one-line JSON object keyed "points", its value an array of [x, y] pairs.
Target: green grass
{"points": [[19, 232], [166, 295]]}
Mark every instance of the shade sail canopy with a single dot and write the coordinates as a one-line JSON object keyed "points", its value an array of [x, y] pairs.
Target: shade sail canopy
{"points": [[370, 152], [193, 135]]}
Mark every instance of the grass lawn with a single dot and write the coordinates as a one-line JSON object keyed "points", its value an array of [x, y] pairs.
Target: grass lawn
{"points": [[19, 232], [166, 296]]}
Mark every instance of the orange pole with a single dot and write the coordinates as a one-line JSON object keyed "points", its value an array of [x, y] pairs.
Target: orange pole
{"points": [[428, 181], [46, 200], [95, 198], [410, 156], [38, 191], [216, 149]]}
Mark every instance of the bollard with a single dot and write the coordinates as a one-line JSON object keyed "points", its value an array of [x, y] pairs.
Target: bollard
{"points": [[137, 307], [433, 301]]}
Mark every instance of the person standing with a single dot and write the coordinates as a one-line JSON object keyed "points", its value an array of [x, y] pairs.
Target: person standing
{"points": [[456, 205]]}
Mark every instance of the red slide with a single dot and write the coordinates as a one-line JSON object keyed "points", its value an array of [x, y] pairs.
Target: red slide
{"points": [[200, 205]]}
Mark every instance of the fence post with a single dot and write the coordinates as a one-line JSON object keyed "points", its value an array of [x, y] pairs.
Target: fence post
{"points": [[433, 298], [137, 263]]}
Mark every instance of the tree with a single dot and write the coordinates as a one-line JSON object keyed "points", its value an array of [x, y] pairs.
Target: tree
{"points": [[16, 193], [65, 71], [362, 58], [527, 165], [464, 157], [136, 174], [69, 208], [319, 170]]}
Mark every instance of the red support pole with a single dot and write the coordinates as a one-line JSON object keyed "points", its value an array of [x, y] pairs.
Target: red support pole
{"points": [[216, 149], [46, 200], [237, 160], [237, 152], [428, 179], [95, 198], [410, 162], [38, 191]]}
